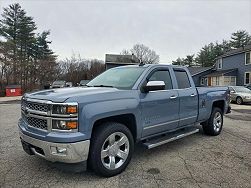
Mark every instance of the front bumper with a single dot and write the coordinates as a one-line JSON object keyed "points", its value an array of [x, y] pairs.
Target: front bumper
{"points": [[246, 99], [56, 152]]}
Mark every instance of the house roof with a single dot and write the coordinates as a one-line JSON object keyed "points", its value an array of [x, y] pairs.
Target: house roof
{"points": [[13, 86], [121, 59], [221, 72], [236, 51], [198, 70], [119, 63]]}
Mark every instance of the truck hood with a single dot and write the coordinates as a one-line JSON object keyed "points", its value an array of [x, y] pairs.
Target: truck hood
{"points": [[63, 94]]}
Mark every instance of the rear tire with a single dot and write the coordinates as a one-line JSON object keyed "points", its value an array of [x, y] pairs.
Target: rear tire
{"points": [[239, 100], [214, 124], [111, 149]]}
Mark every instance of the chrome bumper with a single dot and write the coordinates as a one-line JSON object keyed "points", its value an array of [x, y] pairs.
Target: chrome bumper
{"points": [[58, 152], [246, 99]]}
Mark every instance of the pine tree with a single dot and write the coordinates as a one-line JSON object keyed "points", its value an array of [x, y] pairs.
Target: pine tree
{"points": [[28, 53], [240, 39], [10, 29]]}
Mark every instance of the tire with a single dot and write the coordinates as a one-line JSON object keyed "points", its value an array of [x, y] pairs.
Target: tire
{"points": [[239, 100], [117, 152], [214, 124]]}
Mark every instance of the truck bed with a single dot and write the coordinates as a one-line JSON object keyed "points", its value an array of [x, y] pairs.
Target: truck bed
{"points": [[207, 96]]}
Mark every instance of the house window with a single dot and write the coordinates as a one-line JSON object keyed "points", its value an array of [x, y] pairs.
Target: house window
{"points": [[229, 80], [247, 58], [219, 63], [202, 81], [247, 78], [205, 82], [215, 81]]}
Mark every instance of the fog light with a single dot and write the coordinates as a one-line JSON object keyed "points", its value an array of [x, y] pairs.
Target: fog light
{"points": [[61, 150], [55, 150]]}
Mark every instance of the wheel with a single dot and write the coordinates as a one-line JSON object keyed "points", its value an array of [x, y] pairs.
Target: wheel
{"points": [[111, 149], [239, 100], [213, 125]]}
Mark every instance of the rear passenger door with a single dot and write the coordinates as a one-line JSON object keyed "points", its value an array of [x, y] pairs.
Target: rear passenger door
{"points": [[188, 105]]}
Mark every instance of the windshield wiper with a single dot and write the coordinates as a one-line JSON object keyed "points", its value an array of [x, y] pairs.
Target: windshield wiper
{"points": [[101, 86]]}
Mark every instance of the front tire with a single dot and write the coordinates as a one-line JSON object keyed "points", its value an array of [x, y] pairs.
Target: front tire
{"points": [[214, 124], [239, 100], [111, 149]]}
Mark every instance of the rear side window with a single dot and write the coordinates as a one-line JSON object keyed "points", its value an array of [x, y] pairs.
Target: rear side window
{"points": [[182, 79], [162, 75]]}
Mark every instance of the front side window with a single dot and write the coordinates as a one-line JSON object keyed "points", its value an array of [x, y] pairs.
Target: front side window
{"points": [[162, 75], [120, 77], [182, 79], [247, 58]]}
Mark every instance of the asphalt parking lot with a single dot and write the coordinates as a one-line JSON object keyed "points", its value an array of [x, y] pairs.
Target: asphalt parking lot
{"points": [[194, 161]]}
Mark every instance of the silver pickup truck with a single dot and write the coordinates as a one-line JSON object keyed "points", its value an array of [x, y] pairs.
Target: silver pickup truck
{"points": [[100, 123]]}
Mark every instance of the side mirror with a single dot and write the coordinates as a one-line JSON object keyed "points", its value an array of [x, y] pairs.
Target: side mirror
{"points": [[153, 86], [232, 91]]}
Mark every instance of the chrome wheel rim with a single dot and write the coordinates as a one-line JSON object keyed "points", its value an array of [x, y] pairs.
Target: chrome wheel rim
{"points": [[115, 150], [217, 121]]}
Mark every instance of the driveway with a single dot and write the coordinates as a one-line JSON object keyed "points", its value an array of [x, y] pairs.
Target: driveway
{"points": [[195, 161]]}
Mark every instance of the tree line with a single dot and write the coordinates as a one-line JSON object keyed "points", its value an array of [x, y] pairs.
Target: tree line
{"points": [[207, 54], [26, 58]]}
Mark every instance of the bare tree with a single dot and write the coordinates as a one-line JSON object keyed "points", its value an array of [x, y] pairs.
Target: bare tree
{"points": [[143, 53], [76, 69]]}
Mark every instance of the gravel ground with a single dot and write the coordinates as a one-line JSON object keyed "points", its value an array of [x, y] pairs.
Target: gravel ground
{"points": [[194, 161]]}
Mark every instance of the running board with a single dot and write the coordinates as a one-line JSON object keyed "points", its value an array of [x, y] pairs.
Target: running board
{"points": [[152, 143]]}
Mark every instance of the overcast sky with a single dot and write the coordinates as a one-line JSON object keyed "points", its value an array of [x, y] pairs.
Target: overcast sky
{"points": [[172, 28]]}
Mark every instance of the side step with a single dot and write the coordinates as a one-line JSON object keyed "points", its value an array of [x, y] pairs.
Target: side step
{"points": [[169, 137]]}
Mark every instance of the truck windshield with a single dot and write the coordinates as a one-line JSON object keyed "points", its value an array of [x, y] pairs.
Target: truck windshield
{"points": [[121, 78]]}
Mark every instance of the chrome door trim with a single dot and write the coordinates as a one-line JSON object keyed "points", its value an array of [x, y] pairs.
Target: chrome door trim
{"points": [[166, 123]]}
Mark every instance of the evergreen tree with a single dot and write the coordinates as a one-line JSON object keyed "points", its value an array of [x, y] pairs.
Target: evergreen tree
{"points": [[28, 53], [188, 61], [240, 39]]}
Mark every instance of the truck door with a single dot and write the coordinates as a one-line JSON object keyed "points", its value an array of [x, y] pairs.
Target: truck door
{"points": [[188, 98], [160, 108]]}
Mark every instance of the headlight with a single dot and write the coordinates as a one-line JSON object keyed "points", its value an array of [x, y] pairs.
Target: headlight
{"points": [[64, 125], [60, 109]]}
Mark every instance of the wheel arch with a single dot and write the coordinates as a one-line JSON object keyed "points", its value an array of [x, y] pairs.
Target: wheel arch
{"points": [[129, 120], [219, 104]]}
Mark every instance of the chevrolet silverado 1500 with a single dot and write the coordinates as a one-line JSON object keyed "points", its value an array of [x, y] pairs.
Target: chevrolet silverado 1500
{"points": [[101, 122]]}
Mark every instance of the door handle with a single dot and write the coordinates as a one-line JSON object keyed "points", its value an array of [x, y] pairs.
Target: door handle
{"points": [[192, 95], [173, 97]]}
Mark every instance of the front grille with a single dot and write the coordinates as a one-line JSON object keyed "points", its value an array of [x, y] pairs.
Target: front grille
{"points": [[35, 122], [35, 106]]}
